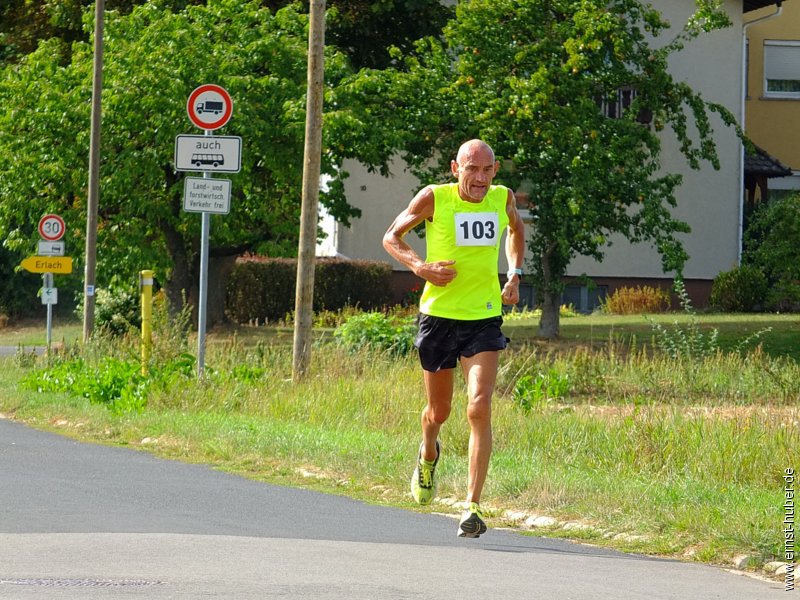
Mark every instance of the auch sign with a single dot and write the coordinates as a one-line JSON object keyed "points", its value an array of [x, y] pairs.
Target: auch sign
{"points": [[208, 153], [48, 264]]}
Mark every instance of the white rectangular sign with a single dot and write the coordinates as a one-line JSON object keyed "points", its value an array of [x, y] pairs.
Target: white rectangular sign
{"points": [[207, 195], [49, 295], [216, 153], [50, 248]]}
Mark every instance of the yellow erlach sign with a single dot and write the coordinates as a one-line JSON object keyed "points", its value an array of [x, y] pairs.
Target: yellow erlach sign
{"points": [[47, 264]]}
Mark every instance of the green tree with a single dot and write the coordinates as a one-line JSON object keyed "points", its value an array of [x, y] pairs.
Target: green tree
{"points": [[154, 59], [25, 23], [530, 77], [363, 29]]}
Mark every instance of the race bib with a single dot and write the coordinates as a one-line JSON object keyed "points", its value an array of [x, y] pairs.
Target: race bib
{"points": [[476, 229]]}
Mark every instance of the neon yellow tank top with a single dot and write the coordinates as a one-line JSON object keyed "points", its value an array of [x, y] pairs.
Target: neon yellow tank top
{"points": [[468, 233]]}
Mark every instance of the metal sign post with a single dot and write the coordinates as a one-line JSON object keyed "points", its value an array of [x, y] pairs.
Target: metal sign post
{"points": [[47, 287], [209, 108], [205, 231]]}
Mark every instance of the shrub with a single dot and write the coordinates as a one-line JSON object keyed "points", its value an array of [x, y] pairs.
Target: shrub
{"points": [[376, 331], [263, 289], [635, 301], [687, 341], [531, 391], [742, 289], [772, 245], [117, 311]]}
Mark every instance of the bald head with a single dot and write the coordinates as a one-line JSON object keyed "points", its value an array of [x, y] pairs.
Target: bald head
{"points": [[475, 167], [471, 147]]}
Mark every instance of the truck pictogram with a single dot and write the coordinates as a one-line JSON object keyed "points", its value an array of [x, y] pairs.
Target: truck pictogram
{"points": [[210, 106]]}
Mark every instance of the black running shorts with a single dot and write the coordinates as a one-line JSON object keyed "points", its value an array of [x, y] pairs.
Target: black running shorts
{"points": [[442, 341]]}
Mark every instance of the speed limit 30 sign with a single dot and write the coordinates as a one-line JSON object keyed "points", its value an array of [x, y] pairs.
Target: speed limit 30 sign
{"points": [[51, 228]]}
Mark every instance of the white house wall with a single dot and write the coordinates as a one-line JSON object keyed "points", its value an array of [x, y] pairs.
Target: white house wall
{"points": [[708, 200]]}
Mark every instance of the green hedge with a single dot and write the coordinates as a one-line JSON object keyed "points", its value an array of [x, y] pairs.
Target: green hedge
{"points": [[264, 288], [742, 289]]}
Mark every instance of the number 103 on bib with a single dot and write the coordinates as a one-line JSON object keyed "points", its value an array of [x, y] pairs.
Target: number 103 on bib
{"points": [[476, 229]]}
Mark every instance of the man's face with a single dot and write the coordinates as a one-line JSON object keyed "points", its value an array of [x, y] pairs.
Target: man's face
{"points": [[475, 170]]}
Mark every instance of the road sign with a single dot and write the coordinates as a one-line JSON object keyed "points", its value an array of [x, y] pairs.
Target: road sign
{"points": [[207, 195], [50, 295], [47, 264], [51, 228], [208, 153], [50, 248], [209, 106]]}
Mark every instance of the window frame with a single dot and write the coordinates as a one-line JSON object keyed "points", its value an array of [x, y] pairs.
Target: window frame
{"points": [[778, 94]]}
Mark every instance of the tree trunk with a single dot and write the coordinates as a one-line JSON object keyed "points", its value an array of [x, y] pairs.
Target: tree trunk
{"points": [[550, 319], [551, 299], [219, 272], [179, 286]]}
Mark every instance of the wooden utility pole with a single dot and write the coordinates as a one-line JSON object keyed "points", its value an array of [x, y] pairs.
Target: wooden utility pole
{"points": [[304, 294], [94, 175]]}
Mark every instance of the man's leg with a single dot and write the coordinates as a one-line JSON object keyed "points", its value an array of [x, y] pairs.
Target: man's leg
{"points": [[480, 373], [439, 391], [439, 388]]}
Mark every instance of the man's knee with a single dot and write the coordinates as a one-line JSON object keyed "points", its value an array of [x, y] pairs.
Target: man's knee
{"points": [[438, 413], [479, 409]]}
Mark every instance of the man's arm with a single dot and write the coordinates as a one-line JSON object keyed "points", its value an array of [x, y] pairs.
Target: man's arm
{"points": [[420, 208], [515, 249]]}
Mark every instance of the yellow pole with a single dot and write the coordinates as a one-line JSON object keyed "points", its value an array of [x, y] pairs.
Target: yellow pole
{"points": [[146, 285]]}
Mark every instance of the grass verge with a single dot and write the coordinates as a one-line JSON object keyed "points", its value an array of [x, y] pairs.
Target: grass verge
{"points": [[634, 451]]}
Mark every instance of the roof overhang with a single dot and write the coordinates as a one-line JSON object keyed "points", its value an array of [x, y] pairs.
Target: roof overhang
{"points": [[756, 4], [761, 163]]}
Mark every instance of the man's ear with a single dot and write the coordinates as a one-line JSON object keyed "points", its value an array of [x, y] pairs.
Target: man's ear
{"points": [[454, 168], [496, 167]]}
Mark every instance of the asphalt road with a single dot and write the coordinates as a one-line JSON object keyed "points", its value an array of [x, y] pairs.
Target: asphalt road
{"points": [[89, 521], [12, 350]]}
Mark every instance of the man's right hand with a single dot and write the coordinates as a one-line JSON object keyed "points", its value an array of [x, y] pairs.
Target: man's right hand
{"points": [[438, 273]]}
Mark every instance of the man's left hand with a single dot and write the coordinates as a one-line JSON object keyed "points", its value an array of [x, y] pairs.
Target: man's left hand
{"points": [[511, 291]]}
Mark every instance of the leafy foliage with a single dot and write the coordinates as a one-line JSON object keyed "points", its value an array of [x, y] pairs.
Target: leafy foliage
{"points": [[742, 289], [685, 341], [535, 390], [263, 289], [771, 245], [376, 331], [117, 311], [529, 77], [154, 58], [363, 29]]}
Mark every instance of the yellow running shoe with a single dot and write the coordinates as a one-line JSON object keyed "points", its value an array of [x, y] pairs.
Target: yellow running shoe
{"points": [[423, 481], [472, 525]]}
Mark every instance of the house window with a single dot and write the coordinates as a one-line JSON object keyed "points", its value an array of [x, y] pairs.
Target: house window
{"points": [[781, 69], [616, 106]]}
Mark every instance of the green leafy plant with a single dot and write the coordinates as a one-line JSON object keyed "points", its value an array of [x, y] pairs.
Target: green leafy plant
{"points": [[117, 311], [376, 331], [742, 289], [771, 245], [531, 391], [689, 340]]}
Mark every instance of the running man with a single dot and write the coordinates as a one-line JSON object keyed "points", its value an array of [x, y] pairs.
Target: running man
{"points": [[461, 307]]}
